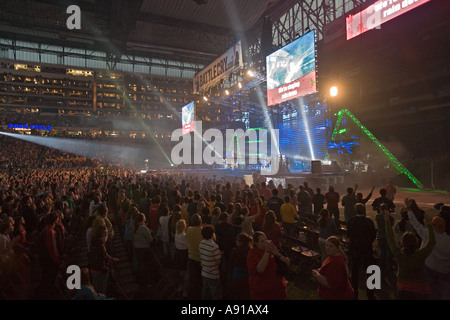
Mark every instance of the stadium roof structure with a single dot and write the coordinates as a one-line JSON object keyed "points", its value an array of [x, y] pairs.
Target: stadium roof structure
{"points": [[191, 31]]}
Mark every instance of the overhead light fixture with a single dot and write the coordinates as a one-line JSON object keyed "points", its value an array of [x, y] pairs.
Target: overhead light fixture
{"points": [[240, 85], [205, 98], [333, 91], [250, 73], [227, 92]]}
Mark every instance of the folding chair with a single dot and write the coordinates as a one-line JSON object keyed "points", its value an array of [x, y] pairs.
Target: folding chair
{"points": [[309, 223], [166, 288], [309, 252], [125, 288]]}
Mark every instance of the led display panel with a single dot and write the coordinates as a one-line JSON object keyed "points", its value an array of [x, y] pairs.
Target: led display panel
{"points": [[188, 117], [291, 70], [378, 13], [303, 137]]}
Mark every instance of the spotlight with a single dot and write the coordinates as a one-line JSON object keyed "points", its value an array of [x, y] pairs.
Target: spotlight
{"points": [[205, 98], [333, 91], [240, 85], [227, 92], [250, 73]]}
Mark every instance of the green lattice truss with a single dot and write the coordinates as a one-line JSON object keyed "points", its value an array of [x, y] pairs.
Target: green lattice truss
{"points": [[400, 168]]}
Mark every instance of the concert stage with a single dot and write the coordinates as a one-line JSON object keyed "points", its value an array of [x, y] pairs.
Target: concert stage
{"points": [[251, 175]]}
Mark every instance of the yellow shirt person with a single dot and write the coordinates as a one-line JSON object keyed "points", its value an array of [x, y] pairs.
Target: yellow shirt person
{"points": [[288, 216], [288, 213]]}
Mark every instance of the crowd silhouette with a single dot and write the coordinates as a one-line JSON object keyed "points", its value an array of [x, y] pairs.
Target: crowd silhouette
{"points": [[225, 239]]}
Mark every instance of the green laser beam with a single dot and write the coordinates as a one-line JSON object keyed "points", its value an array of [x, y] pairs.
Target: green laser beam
{"points": [[400, 167]]}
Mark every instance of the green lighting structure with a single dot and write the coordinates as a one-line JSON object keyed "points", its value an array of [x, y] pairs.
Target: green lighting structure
{"points": [[238, 149], [400, 167]]}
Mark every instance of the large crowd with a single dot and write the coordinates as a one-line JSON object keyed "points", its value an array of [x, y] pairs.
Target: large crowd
{"points": [[61, 121], [226, 238], [15, 160]]}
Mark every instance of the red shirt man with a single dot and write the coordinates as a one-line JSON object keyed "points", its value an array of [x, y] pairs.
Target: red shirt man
{"points": [[332, 199], [153, 212]]}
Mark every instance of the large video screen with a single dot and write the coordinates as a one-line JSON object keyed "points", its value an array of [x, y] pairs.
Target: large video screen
{"points": [[378, 13], [188, 117], [291, 70]]}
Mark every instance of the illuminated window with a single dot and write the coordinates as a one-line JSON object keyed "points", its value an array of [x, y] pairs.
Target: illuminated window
{"points": [[20, 67], [75, 72]]}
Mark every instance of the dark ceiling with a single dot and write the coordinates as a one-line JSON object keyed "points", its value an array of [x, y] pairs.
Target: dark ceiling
{"points": [[191, 31]]}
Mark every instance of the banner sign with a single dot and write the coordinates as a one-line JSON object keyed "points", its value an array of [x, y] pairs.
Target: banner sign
{"points": [[377, 14], [300, 87], [28, 127], [219, 69]]}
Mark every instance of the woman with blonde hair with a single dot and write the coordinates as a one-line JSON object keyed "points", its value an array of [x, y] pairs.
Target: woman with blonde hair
{"points": [[181, 246], [332, 277], [181, 254]]}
